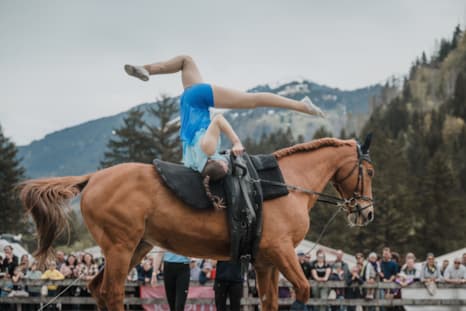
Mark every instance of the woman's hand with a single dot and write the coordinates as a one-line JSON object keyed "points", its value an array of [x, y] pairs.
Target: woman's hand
{"points": [[237, 149]]}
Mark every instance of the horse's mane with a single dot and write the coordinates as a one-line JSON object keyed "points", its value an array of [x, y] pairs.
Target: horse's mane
{"points": [[312, 145]]}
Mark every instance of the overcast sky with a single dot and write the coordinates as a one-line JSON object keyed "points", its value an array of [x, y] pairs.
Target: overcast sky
{"points": [[61, 62]]}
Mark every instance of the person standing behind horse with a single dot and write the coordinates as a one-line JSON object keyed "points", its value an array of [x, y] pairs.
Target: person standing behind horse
{"points": [[200, 135], [228, 284], [176, 273]]}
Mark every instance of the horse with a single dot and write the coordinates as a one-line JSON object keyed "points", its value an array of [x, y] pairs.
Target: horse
{"points": [[128, 210]]}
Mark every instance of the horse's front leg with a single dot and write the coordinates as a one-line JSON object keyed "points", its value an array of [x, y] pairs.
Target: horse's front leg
{"points": [[285, 259], [267, 283]]}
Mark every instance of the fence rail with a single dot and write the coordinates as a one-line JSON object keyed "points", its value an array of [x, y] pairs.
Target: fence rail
{"points": [[250, 301]]}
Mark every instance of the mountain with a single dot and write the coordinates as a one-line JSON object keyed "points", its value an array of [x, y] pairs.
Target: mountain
{"points": [[77, 150]]}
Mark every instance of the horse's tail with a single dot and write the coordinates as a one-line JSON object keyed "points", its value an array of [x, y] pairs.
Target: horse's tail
{"points": [[47, 200]]}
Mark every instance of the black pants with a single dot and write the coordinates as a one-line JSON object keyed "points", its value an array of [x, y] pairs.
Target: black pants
{"points": [[232, 290], [176, 280]]}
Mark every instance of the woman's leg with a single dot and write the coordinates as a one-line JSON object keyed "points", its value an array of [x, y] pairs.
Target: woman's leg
{"points": [[233, 99], [182, 286], [189, 72]]}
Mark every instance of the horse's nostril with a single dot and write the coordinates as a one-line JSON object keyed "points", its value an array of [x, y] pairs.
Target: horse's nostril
{"points": [[370, 216]]}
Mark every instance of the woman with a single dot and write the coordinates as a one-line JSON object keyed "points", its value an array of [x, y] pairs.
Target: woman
{"points": [[176, 274], [87, 270], [200, 135], [320, 272], [430, 274]]}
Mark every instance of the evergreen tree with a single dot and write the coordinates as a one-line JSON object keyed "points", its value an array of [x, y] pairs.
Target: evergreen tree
{"points": [[11, 172], [131, 142], [165, 141], [322, 132], [424, 58]]}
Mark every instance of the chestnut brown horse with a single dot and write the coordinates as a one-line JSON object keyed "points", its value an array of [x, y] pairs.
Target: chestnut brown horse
{"points": [[128, 210]]}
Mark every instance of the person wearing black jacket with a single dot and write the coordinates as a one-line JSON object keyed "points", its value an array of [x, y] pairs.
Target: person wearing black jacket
{"points": [[228, 283], [353, 282]]}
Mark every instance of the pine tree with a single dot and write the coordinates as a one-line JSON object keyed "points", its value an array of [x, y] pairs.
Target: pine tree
{"points": [[131, 142], [11, 172], [165, 141], [322, 132]]}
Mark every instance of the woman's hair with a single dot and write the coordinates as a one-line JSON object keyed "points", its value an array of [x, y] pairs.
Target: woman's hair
{"points": [[214, 169]]}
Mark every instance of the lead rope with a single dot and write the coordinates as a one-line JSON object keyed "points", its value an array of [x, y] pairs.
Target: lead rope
{"points": [[63, 291]]}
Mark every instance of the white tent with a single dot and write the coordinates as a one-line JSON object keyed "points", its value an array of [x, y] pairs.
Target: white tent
{"points": [[451, 256]]}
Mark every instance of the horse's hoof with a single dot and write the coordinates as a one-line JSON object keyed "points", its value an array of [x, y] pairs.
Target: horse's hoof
{"points": [[298, 306]]}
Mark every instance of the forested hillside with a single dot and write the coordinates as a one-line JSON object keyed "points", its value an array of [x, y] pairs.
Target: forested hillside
{"points": [[419, 153]]}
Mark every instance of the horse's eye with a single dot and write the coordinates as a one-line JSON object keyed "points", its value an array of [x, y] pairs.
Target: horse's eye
{"points": [[370, 173]]}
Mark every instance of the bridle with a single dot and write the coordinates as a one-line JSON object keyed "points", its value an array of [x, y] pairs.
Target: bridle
{"points": [[351, 204]]}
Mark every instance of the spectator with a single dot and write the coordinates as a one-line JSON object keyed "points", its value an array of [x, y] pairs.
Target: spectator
{"points": [[145, 272], [206, 270], [351, 292], [86, 270], [389, 270], [60, 258], [34, 291], [69, 268], [10, 261], [228, 284], [175, 277], [456, 274], [194, 270], [52, 274], [132, 275], [305, 265], [361, 263], [409, 273], [344, 265], [18, 287], [372, 273], [320, 272], [337, 274], [24, 263], [430, 274], [464, 259], [396, 259], [445, 264]]}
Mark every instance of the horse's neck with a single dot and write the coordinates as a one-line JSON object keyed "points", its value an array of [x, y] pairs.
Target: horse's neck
{"points": [[314, 169]]}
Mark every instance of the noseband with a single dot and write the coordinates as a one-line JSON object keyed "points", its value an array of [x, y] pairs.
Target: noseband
{"points": [[351, 204]]}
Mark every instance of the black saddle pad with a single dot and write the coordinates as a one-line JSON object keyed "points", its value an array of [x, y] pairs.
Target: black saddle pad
{"points": [[187, 183]]}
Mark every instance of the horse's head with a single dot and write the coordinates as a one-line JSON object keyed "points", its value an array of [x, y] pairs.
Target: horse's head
{"points": [[353, 180]]}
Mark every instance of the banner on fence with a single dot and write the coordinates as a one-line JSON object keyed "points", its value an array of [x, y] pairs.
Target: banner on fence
{"points": [[205, 292]]}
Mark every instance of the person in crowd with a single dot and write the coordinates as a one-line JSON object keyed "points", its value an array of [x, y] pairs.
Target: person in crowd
{"points": [[443, 268], [430, 274], [464, 259], [87, 269], [34, 290], [145, 272], [60, 258], [361, 262], [10, 261], [24, 263], [352, 291], [305, 265], [132, 275], [194, 270], [17, 279], [320, 272], [339, 259], [396, 258], [456, 273], [409, 273], [69, 268], [337, 274], [175, 277], [389, 270], [201, 135], [228, 284], [372, 273], [206, 271], [52, 274]]}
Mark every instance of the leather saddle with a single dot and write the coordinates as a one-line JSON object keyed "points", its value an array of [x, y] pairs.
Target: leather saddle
{"points": [[243, 189]]}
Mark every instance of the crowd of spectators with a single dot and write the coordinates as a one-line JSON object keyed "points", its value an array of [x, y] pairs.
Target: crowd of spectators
{"points": [[387, 267]]}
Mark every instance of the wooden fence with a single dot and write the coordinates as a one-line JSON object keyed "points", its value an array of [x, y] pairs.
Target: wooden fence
{"points": [[250, 301]]}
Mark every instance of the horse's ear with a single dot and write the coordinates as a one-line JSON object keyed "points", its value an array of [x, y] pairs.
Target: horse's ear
{"points": [[367, 143]]}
